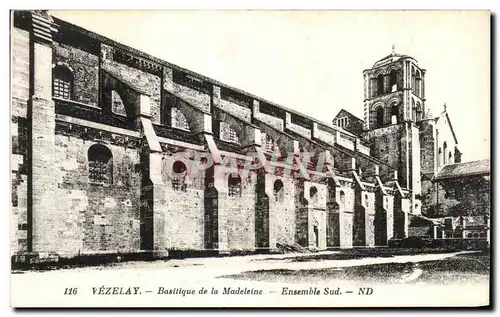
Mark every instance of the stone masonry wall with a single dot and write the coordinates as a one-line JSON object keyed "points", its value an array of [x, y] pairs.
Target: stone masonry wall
{"points": [[241, 112], [143, 80], [92, 217], [19, 138], [389, 146], [281, 213], [236, 213], [301, 214], [317, 214], [85, 67], [20, 71], [19, 220], [370, 218], [183, 211], [198, 99], [346, 200], [427, 148]]}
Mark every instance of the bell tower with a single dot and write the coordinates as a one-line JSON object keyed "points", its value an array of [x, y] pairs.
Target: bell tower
{"points": [[394, 102], [394, 91]]}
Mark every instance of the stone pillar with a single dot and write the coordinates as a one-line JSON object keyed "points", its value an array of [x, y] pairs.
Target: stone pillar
{"points": [[346, 216], [401, 206], [366, 86], [359, 221], [264, 233], [422, 93], [406, 207], [332, 216], [153, 195], [369, 203], [211, 208], [389, 206], [406, 89], [159, 203], [42, 185], [381, 232], [384, 210], [301, 215], [386, 84], [364, 211], [221, 185]]}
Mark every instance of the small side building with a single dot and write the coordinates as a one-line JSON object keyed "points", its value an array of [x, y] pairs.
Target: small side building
{"points": [[461, 201]]}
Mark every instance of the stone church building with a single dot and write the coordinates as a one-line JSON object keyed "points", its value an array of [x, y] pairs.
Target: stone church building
{"points": [[116, 151]]}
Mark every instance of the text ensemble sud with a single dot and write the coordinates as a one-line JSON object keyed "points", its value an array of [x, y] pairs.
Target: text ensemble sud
{"points": [[251, 291]]}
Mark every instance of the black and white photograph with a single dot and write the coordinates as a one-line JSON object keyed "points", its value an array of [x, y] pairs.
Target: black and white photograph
{"points": [[246, 158]]}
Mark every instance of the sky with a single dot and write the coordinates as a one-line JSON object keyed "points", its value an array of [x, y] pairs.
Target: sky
{"points": [[312, 61]]}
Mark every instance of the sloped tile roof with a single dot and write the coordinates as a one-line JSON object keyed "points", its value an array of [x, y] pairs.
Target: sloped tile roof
{"points": [[469, 221], [473, 168], [342, 111]]}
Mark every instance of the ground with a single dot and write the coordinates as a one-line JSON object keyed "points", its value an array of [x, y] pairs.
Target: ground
{"points": [[397, 277]]}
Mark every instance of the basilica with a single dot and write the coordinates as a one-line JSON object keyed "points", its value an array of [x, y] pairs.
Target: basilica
{"points": [[115, 151]]}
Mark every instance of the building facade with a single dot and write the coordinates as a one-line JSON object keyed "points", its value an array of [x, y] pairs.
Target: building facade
{"points": [[116, 151]]}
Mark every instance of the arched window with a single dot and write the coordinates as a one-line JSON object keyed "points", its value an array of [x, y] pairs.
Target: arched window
{"points": [[414, 110], [476, 235], [234, 185], [228, 133], [267, 142], [445, 150], [179, 120], [439, 157], [380, 84], [313, 194], [342, 199], [394, 114], [469, 235], [117, 105], [380, 117], [179, 176], [482, 235], [419, 111], [100, 164], [413, 79], [393, 80], [449, 158], [418, 84], [62, 85], [279, 193]]}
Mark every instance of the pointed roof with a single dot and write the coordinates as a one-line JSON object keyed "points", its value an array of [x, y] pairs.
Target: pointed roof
{"points": [[343, 111], [429, 116], [451, 127], [449, 123]]}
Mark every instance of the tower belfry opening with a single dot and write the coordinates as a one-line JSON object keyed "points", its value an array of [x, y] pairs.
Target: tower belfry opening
{"points": [[394, 104]]}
